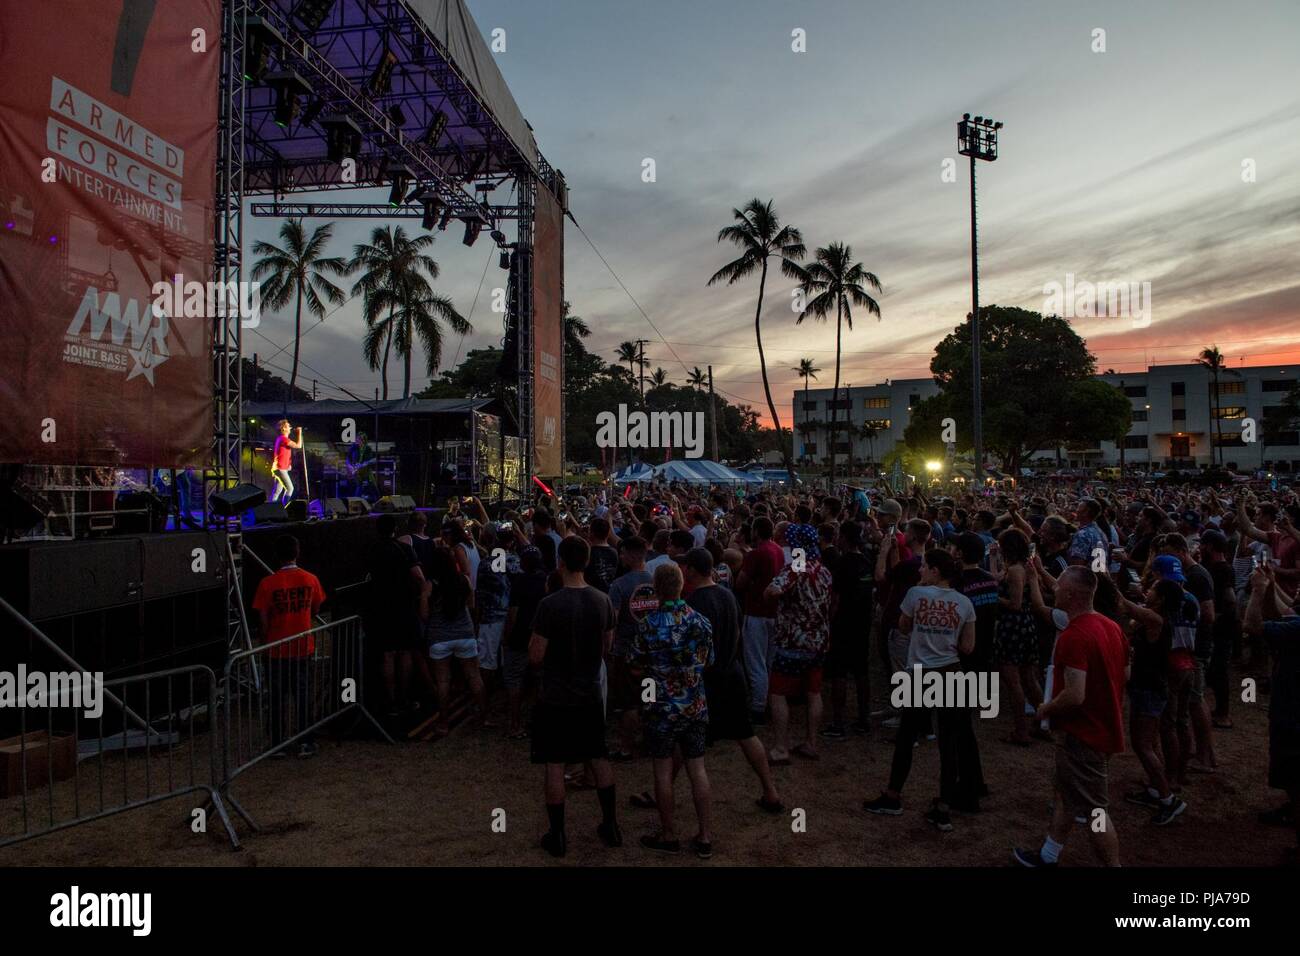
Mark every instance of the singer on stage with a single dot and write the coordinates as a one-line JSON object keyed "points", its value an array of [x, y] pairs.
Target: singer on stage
{"points": [[282, 461]]}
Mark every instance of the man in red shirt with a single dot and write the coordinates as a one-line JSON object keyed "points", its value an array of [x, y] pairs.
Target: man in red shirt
{"points": [[763, 562], [1090, 670], [286, 603]]}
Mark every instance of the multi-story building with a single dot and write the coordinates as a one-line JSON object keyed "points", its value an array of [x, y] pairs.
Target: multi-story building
{"points": [[871, 419], [1173, 425]]}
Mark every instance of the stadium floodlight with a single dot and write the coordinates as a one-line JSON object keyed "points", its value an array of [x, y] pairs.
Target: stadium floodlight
{"points": [[260, 36], [978, 140], [289, 85]]}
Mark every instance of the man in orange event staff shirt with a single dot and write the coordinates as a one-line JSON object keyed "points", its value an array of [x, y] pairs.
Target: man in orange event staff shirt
{"points": [[286, 602], [1090, 670]]}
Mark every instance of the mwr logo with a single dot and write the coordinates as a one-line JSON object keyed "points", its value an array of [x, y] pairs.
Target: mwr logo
{"points": [[134, 910], [85, 336]]}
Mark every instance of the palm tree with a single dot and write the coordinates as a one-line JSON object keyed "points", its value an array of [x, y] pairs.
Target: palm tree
{"points": [[393, 265], [869, 432], [629, 353], [806, 369], [834, 280], [575, 330], [759, 234], [659, 378], [1212, 359], [296, 269], [419, 315]]}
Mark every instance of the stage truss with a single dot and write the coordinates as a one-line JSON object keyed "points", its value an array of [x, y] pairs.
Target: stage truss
{"points": [[472, 160]]}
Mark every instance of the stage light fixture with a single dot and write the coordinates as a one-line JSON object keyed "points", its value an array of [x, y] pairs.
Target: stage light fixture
{"points": [[473, 226], [401, 178], [342, 138], [312, 13], [432, 209], [288, 86], [498, 237], [437, 126], [381, 81], [397, 116], [446, 218], [259, 36], [312, 111], [504, 259]]}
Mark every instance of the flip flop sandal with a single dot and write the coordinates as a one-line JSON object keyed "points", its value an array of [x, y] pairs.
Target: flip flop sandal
{"points": [[778, 761]]}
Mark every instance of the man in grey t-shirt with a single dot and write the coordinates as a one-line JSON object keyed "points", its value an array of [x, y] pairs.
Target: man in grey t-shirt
{"points": [[624, 697]]}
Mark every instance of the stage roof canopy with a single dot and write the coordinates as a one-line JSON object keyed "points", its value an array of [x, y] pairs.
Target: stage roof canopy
{"points": [[409, 407], [396, 70]]}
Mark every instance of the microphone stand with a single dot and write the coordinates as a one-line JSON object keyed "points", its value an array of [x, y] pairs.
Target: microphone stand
{"points": [[306, 479]]}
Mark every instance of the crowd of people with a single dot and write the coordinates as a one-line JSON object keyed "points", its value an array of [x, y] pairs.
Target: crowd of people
{"points": [[659, 623]]}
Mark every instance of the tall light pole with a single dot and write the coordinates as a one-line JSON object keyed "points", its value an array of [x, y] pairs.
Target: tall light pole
{"points": [[978, 139]]}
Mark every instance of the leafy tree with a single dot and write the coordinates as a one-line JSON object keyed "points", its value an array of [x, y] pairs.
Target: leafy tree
{"points": [[1031, 364]]}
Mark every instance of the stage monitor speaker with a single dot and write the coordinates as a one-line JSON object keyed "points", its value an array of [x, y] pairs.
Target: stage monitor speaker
{"points": [[270, 512], [237, 500], [390, 504], [296, 510], [333, 507], [358, 506]]}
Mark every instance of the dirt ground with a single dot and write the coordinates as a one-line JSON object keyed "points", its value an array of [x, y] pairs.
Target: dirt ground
{"points": [[412, 804]]}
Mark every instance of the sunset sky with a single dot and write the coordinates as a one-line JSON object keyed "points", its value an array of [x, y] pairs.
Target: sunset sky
{"points": [[1124, 165]]}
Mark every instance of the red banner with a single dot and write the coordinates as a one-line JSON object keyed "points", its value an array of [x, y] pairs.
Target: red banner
{"points": [[548, 335], [108, 123]]}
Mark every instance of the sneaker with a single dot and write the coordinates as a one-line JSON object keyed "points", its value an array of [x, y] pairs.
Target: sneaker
{"points": [[652, 841], [1032, 859], [938, 818], [308, 750], [1143, 798], [703, 850], [834, 731], [884, 805], [554, 843], [1169, 812], [891, 722], [610, 835]]}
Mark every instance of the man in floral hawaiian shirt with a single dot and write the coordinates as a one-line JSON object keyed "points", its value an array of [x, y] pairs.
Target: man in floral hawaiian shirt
{"points": [[803, 632], [669, 652]]}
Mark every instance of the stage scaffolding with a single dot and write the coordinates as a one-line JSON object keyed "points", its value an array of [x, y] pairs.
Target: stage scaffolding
{"points": [[387, 70]]}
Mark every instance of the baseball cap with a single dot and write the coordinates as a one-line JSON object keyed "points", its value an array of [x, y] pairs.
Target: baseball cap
{"points": [[1215, 539], [1169, 568], [1192, 518], [890, 508]]}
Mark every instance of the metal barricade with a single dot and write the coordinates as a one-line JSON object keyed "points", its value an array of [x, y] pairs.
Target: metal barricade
{"points": [[281, 693], [153, 739]]}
